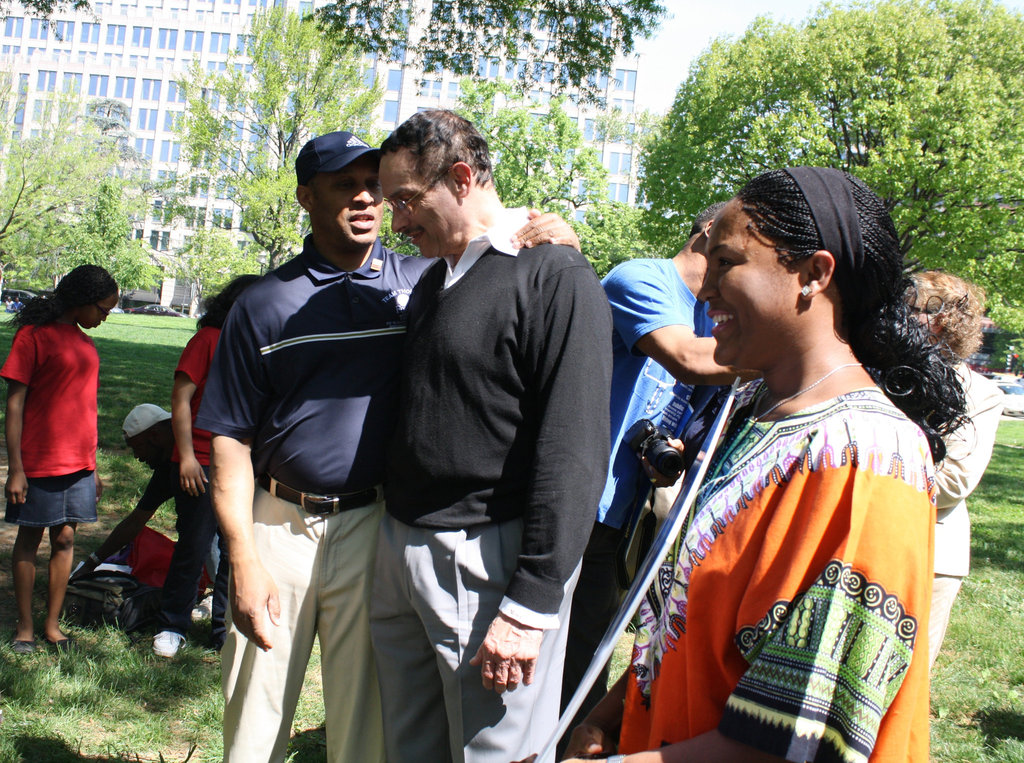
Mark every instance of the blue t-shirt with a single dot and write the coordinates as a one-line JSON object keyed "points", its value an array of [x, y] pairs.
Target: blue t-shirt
{"points": [[307, 367], [645, 295]]}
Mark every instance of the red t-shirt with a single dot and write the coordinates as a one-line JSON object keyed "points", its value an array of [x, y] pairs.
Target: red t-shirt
{"points": [[195, 364], [61, 368]]}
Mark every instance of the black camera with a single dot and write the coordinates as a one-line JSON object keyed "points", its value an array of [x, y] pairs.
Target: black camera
{"points": [[650, 441]]}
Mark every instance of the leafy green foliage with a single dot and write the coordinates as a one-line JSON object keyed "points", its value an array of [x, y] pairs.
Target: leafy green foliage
{"points": [[45, 182], [210, 259], [919, 98], [610, 234], [243, 130], [103, 237], [538, 155], [563, 42]]}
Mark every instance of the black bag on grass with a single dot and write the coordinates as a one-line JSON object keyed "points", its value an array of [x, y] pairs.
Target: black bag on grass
{"points": [[111, 597]]}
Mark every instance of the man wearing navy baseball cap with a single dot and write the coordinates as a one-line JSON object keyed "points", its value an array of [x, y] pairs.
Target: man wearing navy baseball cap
{"points": [[300, 403], [301, 400]]}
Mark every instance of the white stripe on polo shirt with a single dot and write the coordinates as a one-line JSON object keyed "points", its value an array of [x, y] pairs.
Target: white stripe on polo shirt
{"points": [[297, 340]]}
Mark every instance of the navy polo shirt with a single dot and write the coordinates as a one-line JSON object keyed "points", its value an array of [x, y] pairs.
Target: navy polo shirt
{"points": [[307, 367]]}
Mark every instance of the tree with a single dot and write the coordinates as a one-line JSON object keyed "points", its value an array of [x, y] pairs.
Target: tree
{"points": [[209, 260], [45, 182], [538, 153], [610, 234], [243, 130], [920, 99], [562, 42], [103, 237]]}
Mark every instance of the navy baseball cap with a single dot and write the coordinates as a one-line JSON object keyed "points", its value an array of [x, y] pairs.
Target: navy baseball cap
{"points": [[329, 153]]}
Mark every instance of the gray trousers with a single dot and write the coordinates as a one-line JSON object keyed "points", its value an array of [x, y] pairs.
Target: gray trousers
{"points": [[434, 595]]}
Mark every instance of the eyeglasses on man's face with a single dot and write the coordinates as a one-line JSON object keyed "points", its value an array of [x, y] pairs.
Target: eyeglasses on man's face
{"points": [[405, 205]]}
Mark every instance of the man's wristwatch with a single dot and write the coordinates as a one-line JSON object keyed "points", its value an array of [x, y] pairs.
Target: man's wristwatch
{"points": [[615, 759]]}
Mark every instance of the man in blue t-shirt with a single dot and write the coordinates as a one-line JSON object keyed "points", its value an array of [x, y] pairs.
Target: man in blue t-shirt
{"points": [[662, 366]]}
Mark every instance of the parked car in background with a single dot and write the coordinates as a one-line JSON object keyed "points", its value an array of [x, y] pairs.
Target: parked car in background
{"points": [[1013, 399], [155, 310]]}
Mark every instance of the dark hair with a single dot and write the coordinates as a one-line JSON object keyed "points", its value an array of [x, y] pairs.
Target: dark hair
{"points": [[440, 138], [85, 285], [876, 319], [706, 216], [219, 304]]}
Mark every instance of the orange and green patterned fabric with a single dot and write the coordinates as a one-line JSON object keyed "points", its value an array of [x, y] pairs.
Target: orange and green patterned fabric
{"points": [[792, 615]]}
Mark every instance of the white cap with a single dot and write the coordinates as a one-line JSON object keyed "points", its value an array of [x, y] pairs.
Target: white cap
{"points": [[142, 417]]}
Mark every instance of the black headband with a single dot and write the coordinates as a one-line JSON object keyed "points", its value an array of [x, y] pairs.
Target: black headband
{"points": [[828, 194]]}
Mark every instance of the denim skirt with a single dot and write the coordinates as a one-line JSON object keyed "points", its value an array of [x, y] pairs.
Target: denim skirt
{"points": [[67, 499]]}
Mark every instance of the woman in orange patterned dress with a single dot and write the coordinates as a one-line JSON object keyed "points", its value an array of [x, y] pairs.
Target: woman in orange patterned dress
{"points": [[790, 623]]}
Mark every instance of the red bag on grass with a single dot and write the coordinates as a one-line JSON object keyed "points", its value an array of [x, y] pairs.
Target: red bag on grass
{"points": [[150, 558]]}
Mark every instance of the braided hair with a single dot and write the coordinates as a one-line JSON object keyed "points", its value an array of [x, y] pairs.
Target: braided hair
{"points": [[85, 285], [880, 326], [219, 304]]}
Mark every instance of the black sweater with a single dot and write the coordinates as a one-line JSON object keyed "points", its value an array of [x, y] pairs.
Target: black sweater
{"points": [[504, 409]]}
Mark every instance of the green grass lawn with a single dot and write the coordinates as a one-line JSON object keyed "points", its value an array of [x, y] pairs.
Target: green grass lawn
{"points": [[113, 700]]}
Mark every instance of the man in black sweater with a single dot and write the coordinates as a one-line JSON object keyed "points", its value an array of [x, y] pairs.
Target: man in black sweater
{"points": [[498, 460]]}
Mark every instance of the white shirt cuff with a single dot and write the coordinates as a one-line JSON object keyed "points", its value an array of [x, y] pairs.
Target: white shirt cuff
{"points": [[528, 617]]}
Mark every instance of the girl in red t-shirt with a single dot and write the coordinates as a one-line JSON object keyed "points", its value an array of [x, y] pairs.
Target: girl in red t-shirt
{"points": [[196, 524], [52, 376]]}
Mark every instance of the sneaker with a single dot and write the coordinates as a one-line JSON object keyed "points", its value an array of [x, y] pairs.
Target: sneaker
{"points": [[167, 643], [203, 610]]}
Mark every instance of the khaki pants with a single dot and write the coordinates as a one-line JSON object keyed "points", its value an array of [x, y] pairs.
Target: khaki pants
{"points": [[944, 591], [322, 568]]}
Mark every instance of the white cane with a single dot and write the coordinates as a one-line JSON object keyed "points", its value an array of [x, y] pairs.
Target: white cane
{"points": [[679, 514]]}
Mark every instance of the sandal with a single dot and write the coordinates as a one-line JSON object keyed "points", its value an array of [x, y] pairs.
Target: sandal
{"points": [[61, 644], [23, 647]]}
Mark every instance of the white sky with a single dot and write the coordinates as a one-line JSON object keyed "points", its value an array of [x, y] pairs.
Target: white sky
{"points": [[690, 26]]}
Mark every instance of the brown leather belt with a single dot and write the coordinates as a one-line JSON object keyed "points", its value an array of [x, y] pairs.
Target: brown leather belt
{"points": [[314, 503]]}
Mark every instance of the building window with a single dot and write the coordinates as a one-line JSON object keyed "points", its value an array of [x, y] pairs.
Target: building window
{"points": [[175, 93], [145, 147], [72, 82], [618, 192], [46, 82], [394, 80], [193, 40], [167, 39], [98, 84], [172, 120], [391, 111], [90, 33], [170, 150], [116, 34], [620, 163], [142, 36], [64, 30], [625, 79], [147, 119], [151, 89], [219, 42], [13, 27], [124, 87], [39, 29]]}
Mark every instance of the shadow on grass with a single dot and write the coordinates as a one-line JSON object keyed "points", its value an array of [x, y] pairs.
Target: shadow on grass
{"points": [[53, 750], [999, 725], [309, 746], [998, 544]]}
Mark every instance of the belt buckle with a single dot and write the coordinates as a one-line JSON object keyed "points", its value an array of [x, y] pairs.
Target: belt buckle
{"points": [[319, 501]]}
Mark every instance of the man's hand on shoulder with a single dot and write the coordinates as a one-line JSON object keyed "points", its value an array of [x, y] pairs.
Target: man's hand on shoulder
{"points": [[545, 228], [253, 594], [508, 655]]}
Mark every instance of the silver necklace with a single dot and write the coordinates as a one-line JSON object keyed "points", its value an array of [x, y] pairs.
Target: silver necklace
{"points": [[808, 388]]}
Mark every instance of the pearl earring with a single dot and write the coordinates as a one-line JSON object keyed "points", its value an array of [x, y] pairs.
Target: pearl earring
{"points": [[806, 291]]}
